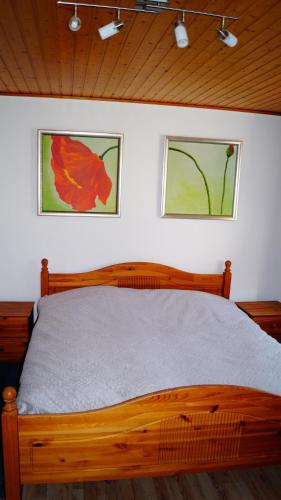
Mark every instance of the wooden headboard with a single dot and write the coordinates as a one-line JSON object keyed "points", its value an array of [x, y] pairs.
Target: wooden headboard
{"points": [[138, 275]]}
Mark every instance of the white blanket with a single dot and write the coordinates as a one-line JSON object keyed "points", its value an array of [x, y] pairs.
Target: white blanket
{"points": [[98, 346]]}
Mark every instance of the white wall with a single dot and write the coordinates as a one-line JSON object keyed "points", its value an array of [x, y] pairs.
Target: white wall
{"points": [[253, 242]]}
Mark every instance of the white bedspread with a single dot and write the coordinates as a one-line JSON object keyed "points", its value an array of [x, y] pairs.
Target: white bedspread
{"points": [[98, 346]]}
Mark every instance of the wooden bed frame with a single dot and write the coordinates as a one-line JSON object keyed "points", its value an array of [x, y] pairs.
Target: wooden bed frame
{"points": [[187, 429]]}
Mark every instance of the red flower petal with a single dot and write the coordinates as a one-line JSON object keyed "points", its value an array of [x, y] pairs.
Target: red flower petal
{"points": [[230, 150], [80, 174]]}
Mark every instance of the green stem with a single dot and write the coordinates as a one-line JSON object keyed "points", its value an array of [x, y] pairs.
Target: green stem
{"points": [[107, 150], [201, 172], [224, 179]]}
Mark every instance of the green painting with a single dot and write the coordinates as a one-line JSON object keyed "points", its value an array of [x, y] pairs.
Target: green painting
{"points": [[200, 178], [79, 173]]}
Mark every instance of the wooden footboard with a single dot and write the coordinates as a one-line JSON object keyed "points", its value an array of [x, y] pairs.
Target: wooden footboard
{"points": [[188, 429]]}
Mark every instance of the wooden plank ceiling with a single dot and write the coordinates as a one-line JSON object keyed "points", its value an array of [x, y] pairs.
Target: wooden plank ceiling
{"points": [[39, 56]]}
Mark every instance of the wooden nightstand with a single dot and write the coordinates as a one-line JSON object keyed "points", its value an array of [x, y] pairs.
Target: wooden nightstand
{"points": [[16, 322], [266, 313]]}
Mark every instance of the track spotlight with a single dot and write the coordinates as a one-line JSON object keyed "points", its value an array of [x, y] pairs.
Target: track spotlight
{"points": [[226, 36], [181, 33], [112, 28], [74, 23], [155, 7]]}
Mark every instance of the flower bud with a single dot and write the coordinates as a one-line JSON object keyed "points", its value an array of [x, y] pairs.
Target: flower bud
{"points": [[230, 150]]}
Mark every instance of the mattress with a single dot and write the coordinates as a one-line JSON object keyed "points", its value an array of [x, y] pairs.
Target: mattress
{"points": [[98, 346]]}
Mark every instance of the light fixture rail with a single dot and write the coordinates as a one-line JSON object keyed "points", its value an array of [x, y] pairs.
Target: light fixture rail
{"points": [[155, 9], [152, 7]]}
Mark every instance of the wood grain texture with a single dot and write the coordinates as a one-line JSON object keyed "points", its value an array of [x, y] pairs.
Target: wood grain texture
{"points": [[267, 314], [39, 56], [138, 275], [189, 429], [262, 483], [16, 322], [261, 308], [10, 445]]}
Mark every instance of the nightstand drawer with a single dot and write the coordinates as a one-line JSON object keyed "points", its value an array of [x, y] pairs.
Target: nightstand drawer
{"points": [[19, 327], [13, 321], [271, 325], [16, 322], [12, 351]]}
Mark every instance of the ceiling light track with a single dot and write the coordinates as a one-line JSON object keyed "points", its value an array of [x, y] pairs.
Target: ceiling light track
{"points": [[152, 7]]}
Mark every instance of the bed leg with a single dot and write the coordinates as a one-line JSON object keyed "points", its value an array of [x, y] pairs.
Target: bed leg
{"points": [[11, 445]]}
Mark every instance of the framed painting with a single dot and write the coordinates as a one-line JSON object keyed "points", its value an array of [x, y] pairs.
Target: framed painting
{"points": [[79, 173], [200, 178]]}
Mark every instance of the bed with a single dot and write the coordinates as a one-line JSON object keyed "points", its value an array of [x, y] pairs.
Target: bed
{"points": [[184, 429]]}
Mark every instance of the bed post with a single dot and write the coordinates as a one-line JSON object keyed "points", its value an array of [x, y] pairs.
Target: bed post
{"points": [[11, 445], [44, 278], [227, 279]]}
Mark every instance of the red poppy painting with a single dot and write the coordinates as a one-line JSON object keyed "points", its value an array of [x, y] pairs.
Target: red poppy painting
{"points": [[79, 173]]}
